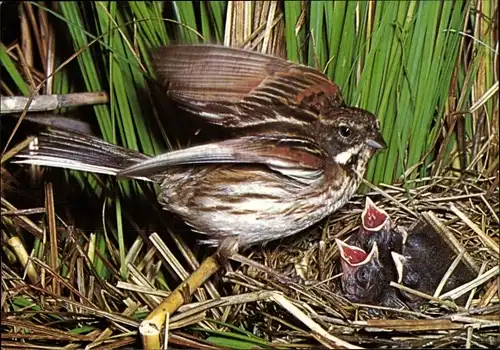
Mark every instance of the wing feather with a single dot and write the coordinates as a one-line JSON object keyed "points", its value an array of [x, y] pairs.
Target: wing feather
{"points": [[223, 85], [301, 158]]}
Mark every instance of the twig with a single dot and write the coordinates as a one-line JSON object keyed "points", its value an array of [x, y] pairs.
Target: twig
{"points": [[151, 327], [141, 289], [410, 325], [458, 292], [490, 293], [244, 260], [16, 104], [473, 291], [19, 212], [24, 221], [448, 273], [485, 238], [16, 149], [476, 320], [295, 311], [423, 295], [224, 301], [129, 312], [51, 218], [23, 257], [450, 239], [391, 309]]}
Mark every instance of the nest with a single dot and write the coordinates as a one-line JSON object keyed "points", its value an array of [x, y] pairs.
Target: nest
{"points": [[285, 294]]}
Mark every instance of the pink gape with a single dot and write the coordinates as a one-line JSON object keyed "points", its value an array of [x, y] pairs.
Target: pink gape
{"points": [[374, 218], [353, 255]]}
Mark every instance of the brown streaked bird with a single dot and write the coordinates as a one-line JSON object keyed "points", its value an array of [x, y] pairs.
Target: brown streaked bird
{"points": [[298, 162], [423, 261]]}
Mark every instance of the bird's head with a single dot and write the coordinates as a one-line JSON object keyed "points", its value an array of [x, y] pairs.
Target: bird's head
{"points": [[363, 278], [350, 136]]}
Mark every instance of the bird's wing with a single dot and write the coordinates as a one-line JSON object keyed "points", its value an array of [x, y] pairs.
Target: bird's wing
{"points": [[297, 158], [237, 88]]}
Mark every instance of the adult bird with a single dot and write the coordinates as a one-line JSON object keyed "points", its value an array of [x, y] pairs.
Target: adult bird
{"points": [[295, 155]]}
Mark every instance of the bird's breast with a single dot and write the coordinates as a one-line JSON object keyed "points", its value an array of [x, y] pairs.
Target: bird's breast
{"points": [[251, 202]]}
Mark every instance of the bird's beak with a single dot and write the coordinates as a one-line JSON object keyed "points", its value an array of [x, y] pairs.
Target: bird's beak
{"points": [[399, 261], [351, 254], [355, 256], [377, 142], [373, 253], [373, 218]]}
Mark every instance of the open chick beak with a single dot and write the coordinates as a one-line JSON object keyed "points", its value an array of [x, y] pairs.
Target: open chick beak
{"points": [[399, 261], [353, 257], [374, 218]]}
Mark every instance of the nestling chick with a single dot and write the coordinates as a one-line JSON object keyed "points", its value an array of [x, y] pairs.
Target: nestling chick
{"points": [[378, 229], [363, 278], [377, 226], [423, 261]]}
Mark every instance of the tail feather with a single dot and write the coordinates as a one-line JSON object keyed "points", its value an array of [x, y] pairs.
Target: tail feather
{"points": [[70, 150]]}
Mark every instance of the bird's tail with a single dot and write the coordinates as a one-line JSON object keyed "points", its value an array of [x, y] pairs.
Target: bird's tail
{"points": [[70, 150]]}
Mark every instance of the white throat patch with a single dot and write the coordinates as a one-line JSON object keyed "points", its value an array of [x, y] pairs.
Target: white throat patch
{"points": [[344, 157]]}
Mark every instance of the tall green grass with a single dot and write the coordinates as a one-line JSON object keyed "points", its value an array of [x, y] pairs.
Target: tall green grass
{"points": [[394, 58]]}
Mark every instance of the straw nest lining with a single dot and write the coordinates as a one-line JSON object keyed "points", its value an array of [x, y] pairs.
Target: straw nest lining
{"points": [[461, 210], [285, 293]]}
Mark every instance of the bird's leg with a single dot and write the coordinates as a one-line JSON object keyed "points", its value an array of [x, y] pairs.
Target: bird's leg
{"points": [[227, 248], [151, 327]]}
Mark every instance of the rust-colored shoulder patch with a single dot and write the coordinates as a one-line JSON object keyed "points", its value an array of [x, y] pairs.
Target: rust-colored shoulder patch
{"points": [[324, 87], [317, 97]]}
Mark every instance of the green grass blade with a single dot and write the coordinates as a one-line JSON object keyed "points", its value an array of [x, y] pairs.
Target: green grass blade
{"points": [[71, 11], [317, 49], [184, 11], [292, 13], [230, 343], [216, 9], [11, 69], [121, 239]]}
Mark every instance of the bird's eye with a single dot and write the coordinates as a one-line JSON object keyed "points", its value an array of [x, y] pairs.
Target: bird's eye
{"points": [[344, 131], [362, 275]]}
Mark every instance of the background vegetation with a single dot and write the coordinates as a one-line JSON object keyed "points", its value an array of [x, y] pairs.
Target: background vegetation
{"points": [[427, 69], [420, 66]]}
